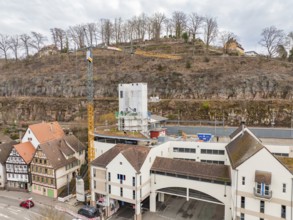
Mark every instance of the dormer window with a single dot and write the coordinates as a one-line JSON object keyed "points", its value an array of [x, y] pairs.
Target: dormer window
{"points": [[262, 184]]}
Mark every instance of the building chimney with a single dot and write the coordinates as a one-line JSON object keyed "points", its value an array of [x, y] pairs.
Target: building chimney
{"points": [[242, 127]]}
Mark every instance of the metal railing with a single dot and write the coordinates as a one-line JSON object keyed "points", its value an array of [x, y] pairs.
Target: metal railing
{"points": [[267, 194]]}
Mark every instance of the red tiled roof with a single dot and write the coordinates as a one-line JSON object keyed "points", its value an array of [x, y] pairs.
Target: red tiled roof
{"points": [[26, 150], [47, 131]]}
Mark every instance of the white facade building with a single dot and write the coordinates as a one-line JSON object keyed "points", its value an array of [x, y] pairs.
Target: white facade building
{"points": [[244, 176], [133, 110]]}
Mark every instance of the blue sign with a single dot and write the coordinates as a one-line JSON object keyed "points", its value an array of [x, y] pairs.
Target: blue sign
{"points": [[206, 137]]}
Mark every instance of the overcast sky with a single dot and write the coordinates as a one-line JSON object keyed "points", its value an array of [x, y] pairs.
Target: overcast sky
{"points": [[245, 18]]}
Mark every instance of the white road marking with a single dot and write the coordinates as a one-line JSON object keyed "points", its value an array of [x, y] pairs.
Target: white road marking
{"points": [[2, 215]]}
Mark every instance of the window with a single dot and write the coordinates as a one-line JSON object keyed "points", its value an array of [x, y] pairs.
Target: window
{"points": [[283, 211], [262, 207], [242, 202], [109, 189], [284, 187], [242, 217], [94, 184], [121, 177], [94, 171], [133, 181], [261, 219], [109, 176], [140, 192], [120, 163], [243, 180], [133, 194], [121, 94], [140, 180], [262, 189], [121, 191]]}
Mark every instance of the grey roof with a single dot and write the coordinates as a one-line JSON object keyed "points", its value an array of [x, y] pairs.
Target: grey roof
{"points": [[4, 138], [242, 147], [158, 118], [5, 150], [136, 155], [55, 151], [239, 129], [74, 142], [216, 172]]}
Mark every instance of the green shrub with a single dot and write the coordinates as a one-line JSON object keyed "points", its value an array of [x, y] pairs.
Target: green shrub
{"points": [[188, 65]]}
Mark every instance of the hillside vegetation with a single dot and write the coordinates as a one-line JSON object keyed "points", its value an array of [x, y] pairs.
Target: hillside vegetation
{"points": [[53, 87]]}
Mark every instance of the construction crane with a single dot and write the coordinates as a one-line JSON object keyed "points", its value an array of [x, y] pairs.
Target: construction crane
{"points": [[90, 110]]}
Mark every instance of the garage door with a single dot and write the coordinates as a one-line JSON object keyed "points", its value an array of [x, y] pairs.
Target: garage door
{"points": [[50, 193]]}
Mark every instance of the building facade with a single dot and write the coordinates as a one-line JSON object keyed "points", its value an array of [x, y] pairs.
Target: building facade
{"points": [[18, 165], [250, 180], [133, 110], [55, 164]]}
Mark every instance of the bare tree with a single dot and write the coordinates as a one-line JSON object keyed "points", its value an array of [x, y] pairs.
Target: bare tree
{"points": [[139, 26], [168, 27], [77, 35], [149, 28], [26, 40], [118, 29], [4, 45], [59, 37], [195, 22], [157, 20], [142, 25], [106, 30], [179, 22], [14, 45], [37, 41], [271, 39], [290, 40], [210, 31], [227, 38], [91, 32]]}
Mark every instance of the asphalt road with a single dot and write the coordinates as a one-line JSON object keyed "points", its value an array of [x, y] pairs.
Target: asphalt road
{"points": [[10, 210], [226, 131]]}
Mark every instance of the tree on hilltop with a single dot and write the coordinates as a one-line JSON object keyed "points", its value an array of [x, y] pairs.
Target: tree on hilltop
{"points": [[271, 39]]}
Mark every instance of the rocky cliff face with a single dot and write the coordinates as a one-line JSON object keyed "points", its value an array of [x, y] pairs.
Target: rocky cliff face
{"points": [[54, 87]]}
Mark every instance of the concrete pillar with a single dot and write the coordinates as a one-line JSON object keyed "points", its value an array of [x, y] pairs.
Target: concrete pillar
{"points": [[161, 197], [137, 215], [228, 215], [153, 202], [108, 208]]}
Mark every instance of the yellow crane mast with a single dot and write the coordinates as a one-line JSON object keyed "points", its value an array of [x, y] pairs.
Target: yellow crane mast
{"points": [[90, 110]]}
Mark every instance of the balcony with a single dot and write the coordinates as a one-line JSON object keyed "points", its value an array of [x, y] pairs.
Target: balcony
{"points": [[262, 195]]}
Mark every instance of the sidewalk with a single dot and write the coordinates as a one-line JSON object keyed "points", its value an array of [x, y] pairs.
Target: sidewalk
{"points": [[68, 207]]}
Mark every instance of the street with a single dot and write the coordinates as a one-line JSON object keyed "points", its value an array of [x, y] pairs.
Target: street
{"points": [[10, 209]]}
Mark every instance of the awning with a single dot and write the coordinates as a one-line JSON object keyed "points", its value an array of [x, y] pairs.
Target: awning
{"points": [[263, 177]]}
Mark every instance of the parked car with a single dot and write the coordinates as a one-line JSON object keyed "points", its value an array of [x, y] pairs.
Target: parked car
{"points": [[27, 204], [89, 212]]}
